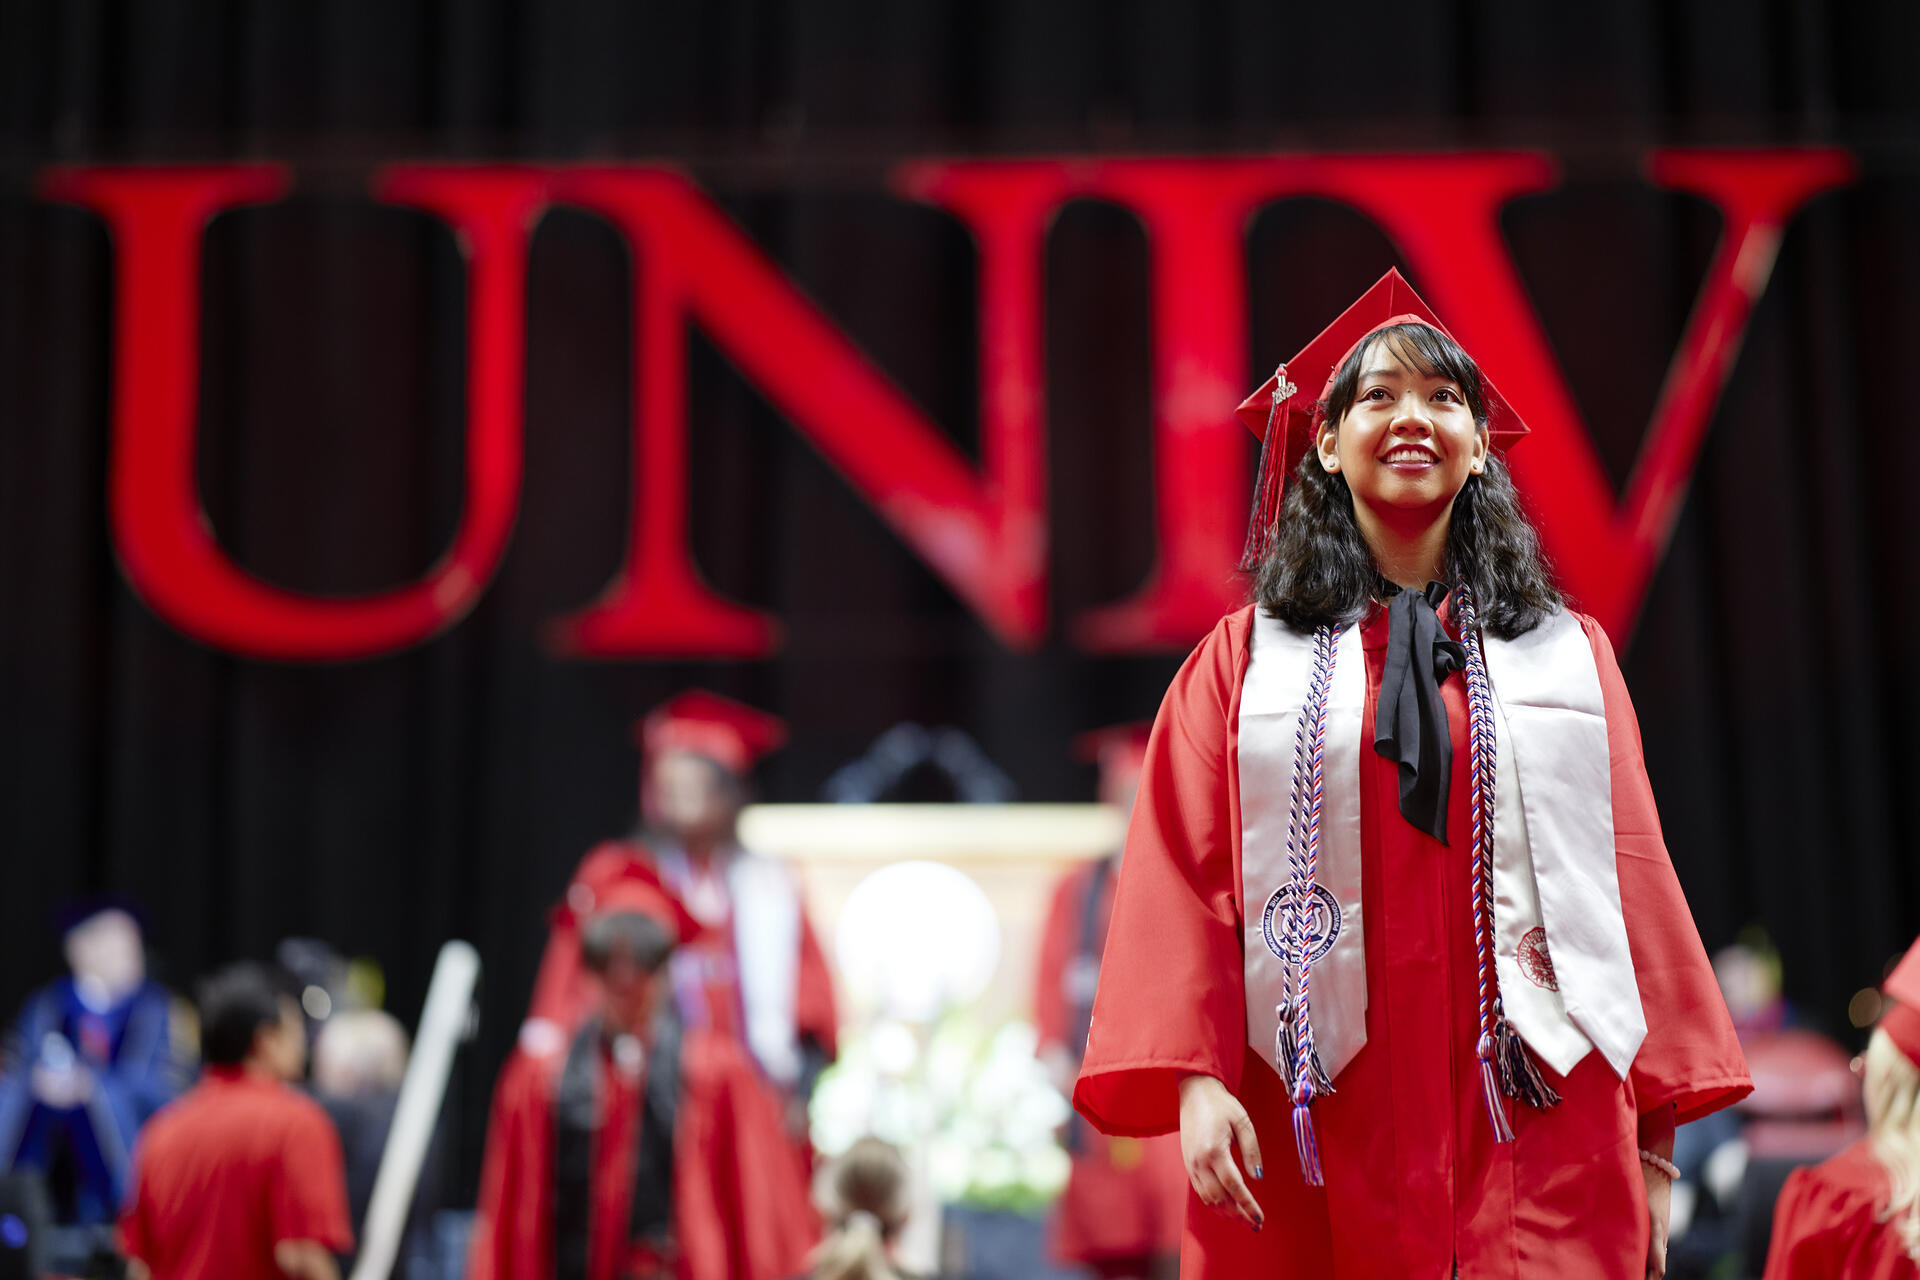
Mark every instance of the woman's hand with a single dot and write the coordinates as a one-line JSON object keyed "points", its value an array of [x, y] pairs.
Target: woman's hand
{"points": [[1211, 1122], [1659, 1206], [1656, 1135]]}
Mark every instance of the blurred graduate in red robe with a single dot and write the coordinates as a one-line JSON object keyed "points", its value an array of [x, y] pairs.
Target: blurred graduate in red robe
{"points": [[637, 1147], [753, 971], [1858, 1214], [1125, 1201], [1395, 917]]}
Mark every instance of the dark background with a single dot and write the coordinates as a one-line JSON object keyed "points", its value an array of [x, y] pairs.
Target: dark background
{"points": [[390, 804]]}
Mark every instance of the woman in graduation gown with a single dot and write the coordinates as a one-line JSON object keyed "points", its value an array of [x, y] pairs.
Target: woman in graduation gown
{"points": [[1858, 1214], [1397, 947], [637, 1148]]}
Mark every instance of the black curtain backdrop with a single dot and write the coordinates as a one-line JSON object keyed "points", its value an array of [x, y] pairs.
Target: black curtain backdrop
{"points": [[389, 804]]}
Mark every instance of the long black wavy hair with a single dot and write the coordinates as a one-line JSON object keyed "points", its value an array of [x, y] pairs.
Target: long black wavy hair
{"points": [[1321, 571]]}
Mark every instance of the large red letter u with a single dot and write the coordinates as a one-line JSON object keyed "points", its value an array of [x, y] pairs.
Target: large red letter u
{"points": [[161, 533]]}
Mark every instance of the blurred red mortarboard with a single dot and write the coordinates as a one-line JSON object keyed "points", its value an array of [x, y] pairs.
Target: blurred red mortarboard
{"points": [[731, 734], [1901, 1022], [636, 887], [1285, 413]]}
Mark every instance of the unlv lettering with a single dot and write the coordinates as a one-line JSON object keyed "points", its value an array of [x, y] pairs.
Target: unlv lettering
{"points": [[983, 530]]}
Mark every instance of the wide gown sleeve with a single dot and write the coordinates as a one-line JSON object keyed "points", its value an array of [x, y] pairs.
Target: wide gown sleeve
{"points": [[1170, 1000], [1691, 1057], [513, 1228]]}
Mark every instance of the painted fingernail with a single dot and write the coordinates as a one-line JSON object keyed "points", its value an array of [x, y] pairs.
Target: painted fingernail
{"points": [[1257, 1173]]}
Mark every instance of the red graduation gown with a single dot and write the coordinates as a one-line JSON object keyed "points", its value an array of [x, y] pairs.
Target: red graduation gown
{"points": [[1125, 1197], [1414, 1179], [731, 1220], [1826, 1223]]}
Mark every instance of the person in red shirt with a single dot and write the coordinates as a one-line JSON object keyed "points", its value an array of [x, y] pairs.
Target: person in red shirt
{"points": [[637, 1147], [242, 1177], [1125, 1201], [1395, 911], [1858, 1214]]}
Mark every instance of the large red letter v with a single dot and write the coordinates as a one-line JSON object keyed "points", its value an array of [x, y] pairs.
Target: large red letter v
{"points": [[1605, 552], [160, 532]]}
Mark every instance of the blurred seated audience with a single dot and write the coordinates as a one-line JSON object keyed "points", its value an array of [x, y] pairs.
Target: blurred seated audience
{"points": [[241, 1178], [90, 1058], [1857, 1214], [863, 1196]]}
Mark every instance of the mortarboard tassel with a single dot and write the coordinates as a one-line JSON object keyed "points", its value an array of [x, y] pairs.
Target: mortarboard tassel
{"points": [[1270, 483]]}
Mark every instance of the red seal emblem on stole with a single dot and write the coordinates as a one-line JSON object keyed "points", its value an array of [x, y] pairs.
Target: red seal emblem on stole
{"points": [[1534, 960]]}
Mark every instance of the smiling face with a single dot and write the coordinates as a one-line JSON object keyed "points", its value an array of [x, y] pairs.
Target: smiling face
{"points": [[1408, 441]]}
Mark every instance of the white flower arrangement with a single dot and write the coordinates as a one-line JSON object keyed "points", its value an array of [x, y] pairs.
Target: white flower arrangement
{"points": [[974, 1099]]}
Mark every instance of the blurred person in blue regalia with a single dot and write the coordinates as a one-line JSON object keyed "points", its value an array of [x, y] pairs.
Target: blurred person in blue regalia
{"points": [[90, 1058]]}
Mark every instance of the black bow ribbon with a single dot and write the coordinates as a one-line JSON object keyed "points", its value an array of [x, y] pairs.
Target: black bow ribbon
{"points": [[1410, 722]]}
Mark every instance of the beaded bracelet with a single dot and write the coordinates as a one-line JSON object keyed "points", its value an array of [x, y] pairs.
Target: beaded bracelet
{"points": [[1664, 1165]]}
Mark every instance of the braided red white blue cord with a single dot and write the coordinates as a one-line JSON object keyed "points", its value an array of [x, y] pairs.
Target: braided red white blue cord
{"points": [[1506, 1066], [1482, 756], [1294, 1048]]}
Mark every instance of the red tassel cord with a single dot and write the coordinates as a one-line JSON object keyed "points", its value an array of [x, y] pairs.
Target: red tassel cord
{"points": [[1270, 483]]}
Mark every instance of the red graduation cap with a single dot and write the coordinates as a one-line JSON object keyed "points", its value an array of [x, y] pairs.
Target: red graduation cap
{"points": [[731, 734], [1285, 415], [629, 885], [1901, 1022]]}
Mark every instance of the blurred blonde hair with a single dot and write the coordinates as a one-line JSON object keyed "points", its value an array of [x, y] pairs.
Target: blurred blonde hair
{"points": [[1893, 1128], [360, 1051], [864, 1197]]}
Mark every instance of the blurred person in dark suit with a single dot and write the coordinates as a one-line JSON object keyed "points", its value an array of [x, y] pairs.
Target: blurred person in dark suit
{"points": [[1857, 1214], [90, 1058], [241, 1178]]}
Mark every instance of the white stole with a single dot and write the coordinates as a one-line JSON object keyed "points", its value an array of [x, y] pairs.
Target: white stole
{"points": [[764, 902], [1554, 874]]}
